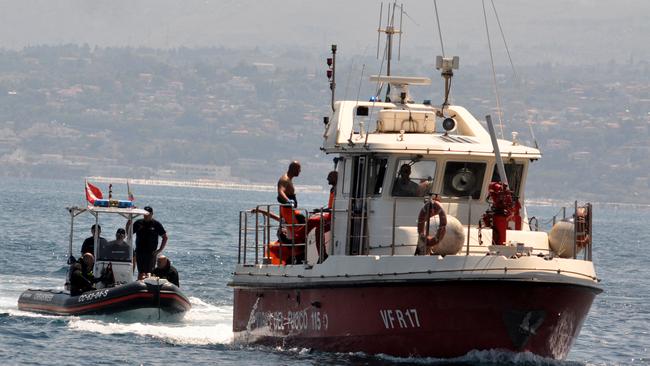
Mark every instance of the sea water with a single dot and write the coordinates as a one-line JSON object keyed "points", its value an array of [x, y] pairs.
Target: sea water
{"points": [[202, 226]]}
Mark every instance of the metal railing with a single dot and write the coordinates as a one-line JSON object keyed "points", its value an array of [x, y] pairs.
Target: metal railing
{"points": [[263, 233], [582, 220], [258, 226]]}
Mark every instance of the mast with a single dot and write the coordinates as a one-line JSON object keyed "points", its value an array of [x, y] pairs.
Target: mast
{"points": [[390, 30]]}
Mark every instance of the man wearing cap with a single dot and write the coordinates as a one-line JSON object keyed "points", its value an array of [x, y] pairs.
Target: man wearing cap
{"points": [[147, 231]]}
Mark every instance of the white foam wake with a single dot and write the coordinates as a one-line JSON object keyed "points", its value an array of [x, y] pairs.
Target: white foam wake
{"points": [[12, 286], [204, 324]]}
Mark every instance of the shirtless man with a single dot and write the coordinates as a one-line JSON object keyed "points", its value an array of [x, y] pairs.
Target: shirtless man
{"points": [[286, 191]]}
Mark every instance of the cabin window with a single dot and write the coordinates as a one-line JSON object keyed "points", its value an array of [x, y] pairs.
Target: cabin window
{"points": [[347, 166], [514, 172], [377, 175], [463, 179], [414, 178]]}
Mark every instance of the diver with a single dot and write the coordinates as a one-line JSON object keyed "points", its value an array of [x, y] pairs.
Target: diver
{"points": [[164, 269], [81, 275]]}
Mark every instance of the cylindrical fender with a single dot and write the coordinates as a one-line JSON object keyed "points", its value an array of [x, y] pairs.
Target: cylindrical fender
{"points": [[430, 209]]}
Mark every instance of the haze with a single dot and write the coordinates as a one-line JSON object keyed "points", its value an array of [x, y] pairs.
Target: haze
{"points": [[574, 31]]}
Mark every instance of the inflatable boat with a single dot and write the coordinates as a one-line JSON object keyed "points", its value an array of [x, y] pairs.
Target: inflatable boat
{"points": [[151, 298], [115, 291]]}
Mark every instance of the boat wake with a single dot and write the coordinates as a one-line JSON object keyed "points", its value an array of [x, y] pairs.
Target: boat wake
{"points": [[487, 357], [205, 324]]}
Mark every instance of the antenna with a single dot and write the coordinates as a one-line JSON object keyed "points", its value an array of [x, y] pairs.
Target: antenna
{"points": [[401, 27], [390, 29], [331, 73], [381, 10]]}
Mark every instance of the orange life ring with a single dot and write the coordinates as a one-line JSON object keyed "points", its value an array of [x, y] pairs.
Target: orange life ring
{"points": [[430, 209]]}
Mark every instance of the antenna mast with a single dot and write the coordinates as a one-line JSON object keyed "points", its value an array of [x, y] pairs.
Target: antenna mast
{"points": [[331, 73], [390, 30]]}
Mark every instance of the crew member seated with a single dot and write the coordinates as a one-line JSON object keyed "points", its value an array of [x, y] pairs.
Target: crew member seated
{"points": [[88, 245], [116, 250], [405, 187], [164, 269], [81, 275]]}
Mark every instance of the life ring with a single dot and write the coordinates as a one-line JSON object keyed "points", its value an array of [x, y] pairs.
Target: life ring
{"points": [[427, 242]]}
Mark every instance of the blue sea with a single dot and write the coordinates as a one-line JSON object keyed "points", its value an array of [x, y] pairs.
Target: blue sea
{"points": [[202, 225]]}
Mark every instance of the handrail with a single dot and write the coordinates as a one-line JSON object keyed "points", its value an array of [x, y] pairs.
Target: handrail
{"points": [[256, 235]]}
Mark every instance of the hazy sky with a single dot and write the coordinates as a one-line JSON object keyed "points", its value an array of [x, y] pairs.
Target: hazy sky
{"points": [[573, 31]]}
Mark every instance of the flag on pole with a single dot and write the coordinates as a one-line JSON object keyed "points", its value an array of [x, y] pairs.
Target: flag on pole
{"points": [[92, 193], [128, 188]]}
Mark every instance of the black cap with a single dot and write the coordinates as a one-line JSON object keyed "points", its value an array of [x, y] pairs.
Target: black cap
{"points": [[121, 231], [148, 209]]}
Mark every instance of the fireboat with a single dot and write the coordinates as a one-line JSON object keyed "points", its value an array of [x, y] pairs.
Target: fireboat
{"points": [[427, 250]]}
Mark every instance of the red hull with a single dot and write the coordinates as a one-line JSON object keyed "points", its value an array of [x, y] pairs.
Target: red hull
{"points": [[436, 319]]}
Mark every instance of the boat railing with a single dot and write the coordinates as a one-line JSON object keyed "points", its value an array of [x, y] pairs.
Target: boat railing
{"points": [[582, 228], [266, 237], [361, 242]]}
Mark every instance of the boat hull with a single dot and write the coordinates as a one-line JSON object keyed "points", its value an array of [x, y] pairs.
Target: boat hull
{"points": [[164, 299], [429, 319]]}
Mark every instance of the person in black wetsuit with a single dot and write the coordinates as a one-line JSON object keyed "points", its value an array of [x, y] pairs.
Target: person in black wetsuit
{"points": [[164, 269], [147, 231], [81, 275], [116, 250], [88, 245]]}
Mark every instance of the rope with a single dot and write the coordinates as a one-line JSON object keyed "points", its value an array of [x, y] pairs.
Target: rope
{"points": [[442, 46], [504, 40], [514, 71], [494, 73], [354, 118]]}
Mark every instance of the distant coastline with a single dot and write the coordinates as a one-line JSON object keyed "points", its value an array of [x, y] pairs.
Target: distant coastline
{"points": [[203, 183]]}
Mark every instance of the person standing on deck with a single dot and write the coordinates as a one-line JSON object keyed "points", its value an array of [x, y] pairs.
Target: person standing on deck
{"points": [[286, 190], [332, 179], [147, 231]]}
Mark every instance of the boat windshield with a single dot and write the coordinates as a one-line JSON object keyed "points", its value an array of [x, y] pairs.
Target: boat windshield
{"points": [[514, 172], [463, 179], [414, 178], [116, 251]]}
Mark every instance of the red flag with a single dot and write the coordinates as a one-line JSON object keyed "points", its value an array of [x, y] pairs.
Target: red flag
{"points": [[92, 193]]}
